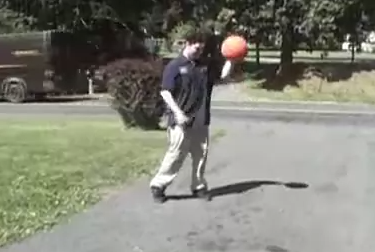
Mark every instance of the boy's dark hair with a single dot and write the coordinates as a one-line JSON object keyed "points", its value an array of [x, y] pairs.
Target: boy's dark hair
{"points": [[195, 36]]}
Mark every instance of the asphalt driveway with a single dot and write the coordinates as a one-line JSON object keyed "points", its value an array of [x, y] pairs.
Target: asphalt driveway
{"points": [[278, 187]]}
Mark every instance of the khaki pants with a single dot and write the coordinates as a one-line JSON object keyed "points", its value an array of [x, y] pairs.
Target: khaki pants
{"points": [[193, 141]]}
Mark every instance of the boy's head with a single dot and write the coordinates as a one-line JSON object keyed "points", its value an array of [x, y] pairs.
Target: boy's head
{"points": [[194, 44]]}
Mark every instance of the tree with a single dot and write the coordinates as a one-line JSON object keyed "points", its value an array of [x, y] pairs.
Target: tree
{"points": [[254, 20], [67, 14], [356, 20]]}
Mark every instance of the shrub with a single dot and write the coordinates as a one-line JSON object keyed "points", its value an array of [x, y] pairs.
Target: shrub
{"points": [[180, 30], [134, 85]]}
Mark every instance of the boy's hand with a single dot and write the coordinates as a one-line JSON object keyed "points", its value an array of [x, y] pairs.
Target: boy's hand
{"points": [[181, 118], [226, 70]]}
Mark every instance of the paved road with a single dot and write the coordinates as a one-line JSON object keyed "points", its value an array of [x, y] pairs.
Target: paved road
{"points": [[268, 111], [279, 186]]}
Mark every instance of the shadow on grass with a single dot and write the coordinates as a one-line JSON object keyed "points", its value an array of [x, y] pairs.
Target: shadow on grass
{"points": [[328, 71], [241, 187], [320, 58]]}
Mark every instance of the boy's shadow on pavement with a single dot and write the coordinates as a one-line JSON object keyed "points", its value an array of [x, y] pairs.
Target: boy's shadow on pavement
{"points": [[240, 187]]}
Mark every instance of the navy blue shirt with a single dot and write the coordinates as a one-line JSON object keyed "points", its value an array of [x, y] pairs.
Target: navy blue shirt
{"points": [[187, 82]]}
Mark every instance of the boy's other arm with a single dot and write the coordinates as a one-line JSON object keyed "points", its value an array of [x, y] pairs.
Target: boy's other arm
{"points": [[168, 84], [226, 70]]}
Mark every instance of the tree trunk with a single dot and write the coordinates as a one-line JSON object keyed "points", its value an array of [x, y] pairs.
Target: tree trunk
{"points": [[353, 52], [286, 57], [168, 44], [257, 50], [257, 38]]}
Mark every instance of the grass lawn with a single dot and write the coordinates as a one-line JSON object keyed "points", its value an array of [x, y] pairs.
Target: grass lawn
{"points": [[312, 81], [352, 83], [300, 56], [360, 88], [51, 169], [315, 55], [336, 94]]}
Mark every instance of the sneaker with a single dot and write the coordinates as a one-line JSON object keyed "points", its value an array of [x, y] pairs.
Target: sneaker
{"points": [[158, 194], [202, 194]]}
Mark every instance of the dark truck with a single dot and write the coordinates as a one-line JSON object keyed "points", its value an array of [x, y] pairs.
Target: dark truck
{"points": [[36, 64]]}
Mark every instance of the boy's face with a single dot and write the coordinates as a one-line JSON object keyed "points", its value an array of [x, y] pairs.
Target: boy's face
{"points": [[195, 49]]}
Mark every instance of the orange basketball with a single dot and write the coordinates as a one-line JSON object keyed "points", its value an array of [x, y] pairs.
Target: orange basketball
{"points": [[234, 47]]}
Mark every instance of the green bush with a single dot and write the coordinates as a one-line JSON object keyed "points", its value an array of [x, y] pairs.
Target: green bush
{"points": [[180, 30], [134, 87]]}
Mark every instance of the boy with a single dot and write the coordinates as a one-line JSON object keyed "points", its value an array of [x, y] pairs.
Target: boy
{"points": [[185, 92]]}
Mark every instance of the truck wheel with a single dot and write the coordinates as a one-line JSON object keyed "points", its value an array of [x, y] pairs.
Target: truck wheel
{"points": [[15, 91]]}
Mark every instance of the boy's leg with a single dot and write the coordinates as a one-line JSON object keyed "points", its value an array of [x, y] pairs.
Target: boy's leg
{"points": [[172, 161], [199, 144]]}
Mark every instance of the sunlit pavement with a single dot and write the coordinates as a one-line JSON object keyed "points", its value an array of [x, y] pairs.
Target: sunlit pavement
{"points": [[278, 187]]}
